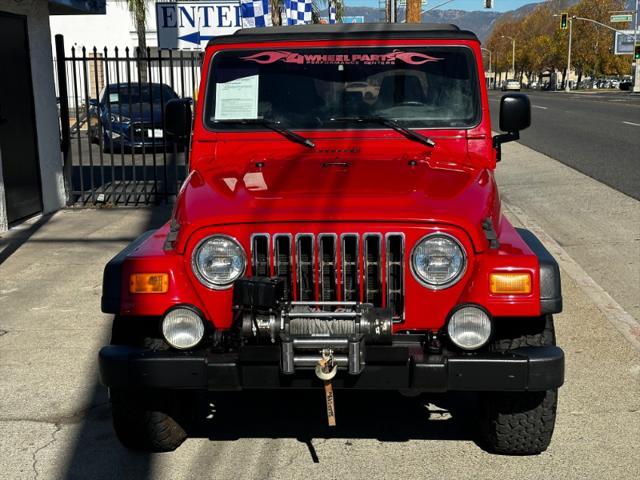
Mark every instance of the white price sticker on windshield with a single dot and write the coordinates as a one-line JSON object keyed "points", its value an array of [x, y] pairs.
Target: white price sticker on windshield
{"points": [[237, 99]]}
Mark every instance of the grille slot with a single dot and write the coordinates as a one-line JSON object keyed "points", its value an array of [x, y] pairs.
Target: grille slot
{"points": [[395, 276], [260, 261], [305, 263], [335, 265], [327, 257], [372, 269], [350, 270], [282, 260]]}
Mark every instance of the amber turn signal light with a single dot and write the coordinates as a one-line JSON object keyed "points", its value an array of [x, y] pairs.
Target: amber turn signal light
{"points": [[510, 283], [149, 283]]}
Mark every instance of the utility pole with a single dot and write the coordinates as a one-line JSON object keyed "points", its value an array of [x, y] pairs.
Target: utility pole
{"points": [[414, 11], [636, 70], [393, 10]]}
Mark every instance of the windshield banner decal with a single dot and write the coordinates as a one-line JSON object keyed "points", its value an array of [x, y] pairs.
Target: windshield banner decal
{"points": [[410, 58]]}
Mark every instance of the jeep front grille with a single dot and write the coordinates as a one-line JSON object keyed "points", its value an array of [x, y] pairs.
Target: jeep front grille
{"points": [[349, 267]]}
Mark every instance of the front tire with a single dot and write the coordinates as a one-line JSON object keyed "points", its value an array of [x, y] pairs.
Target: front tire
{"points": [[519, 423], [144, 421]]}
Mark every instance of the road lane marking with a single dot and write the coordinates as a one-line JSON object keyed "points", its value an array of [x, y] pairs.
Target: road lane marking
{"points": [[631, 123], [623, 321], [538, 106]]}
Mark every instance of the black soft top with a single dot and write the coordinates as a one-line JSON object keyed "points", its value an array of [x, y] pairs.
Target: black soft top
{"points": [[339, 31]]}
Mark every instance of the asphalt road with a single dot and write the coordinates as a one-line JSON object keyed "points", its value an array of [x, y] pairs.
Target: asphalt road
{"points": [[598, 134]]}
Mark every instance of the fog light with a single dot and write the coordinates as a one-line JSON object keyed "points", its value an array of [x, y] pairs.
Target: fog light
{"points": [[469, 328], [182, 328], [510, 283]]}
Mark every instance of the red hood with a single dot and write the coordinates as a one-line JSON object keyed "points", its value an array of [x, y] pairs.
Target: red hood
{"points": [[298, 185]]}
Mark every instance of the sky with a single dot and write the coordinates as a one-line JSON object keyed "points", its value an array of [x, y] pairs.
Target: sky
{"points": [[469, 5]]}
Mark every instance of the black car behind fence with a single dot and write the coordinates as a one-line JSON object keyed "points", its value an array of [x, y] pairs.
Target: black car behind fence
{"points": [[111, 107]]}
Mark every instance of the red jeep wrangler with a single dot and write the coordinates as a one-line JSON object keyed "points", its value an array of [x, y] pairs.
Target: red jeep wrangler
{"points": [[340, 227]]}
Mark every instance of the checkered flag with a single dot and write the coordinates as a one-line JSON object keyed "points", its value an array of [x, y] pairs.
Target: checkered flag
{"points": [[332, 12], [255, 13], [298, 11]]}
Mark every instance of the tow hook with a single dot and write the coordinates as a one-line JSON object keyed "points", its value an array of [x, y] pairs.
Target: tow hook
{"points": [[326, 370]]}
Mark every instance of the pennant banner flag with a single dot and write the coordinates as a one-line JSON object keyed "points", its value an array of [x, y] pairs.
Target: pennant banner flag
{"points": [[298, 12], [332, 12], [255, 13]]}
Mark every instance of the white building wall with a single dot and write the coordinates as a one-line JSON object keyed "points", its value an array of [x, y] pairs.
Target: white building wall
{"points": [[115, 29], [46, 112]]}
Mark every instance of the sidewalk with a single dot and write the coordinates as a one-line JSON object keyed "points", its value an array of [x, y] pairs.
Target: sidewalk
{"points": [[55, 421], [598, 226]]}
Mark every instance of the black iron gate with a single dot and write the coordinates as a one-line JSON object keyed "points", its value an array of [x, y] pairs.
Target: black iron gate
{"points": [[112, 103]]}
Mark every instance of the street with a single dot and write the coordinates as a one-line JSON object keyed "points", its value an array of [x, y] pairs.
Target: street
{"points": [[597, 133], [55, 419]]}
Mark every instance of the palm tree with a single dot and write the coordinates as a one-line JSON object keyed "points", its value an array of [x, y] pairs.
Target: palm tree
{"points": [[138, 11]]}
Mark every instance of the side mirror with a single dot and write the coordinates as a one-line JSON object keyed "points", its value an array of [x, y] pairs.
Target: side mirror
{"points": [[515, 112], [515, 115], [177, 118]]}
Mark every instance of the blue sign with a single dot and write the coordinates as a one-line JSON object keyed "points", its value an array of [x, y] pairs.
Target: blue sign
{"points": [[353, 19], [190, 25]]}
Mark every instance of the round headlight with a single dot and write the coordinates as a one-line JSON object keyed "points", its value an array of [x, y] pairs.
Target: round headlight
{"points": [[182, 328], [438, 261], [218, 261], [469, 328]]}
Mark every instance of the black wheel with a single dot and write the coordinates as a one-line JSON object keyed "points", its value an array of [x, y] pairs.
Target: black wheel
{"points": [[151, 421], [519, 423], [147, 421]]}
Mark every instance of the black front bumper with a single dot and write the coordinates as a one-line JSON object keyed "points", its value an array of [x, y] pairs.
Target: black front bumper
{"points": [[392, 367]]}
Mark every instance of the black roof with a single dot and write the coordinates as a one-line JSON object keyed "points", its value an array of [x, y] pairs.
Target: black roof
{"points": [[347, 30]]}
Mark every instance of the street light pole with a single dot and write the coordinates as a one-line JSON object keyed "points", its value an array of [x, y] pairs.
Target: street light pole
{"points": [[489, 51], [567, 87], [513, 54]]}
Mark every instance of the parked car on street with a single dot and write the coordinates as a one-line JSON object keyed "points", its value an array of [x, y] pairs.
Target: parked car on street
{"points": [[511, 85], [625, 85], [129, 116], [323, 244]]}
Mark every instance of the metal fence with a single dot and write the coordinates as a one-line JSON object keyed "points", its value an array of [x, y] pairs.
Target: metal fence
{"points": [[111, 106]]}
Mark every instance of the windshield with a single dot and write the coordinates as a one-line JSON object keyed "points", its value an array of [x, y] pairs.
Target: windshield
{"points": [[148, 93], [418, 87]]}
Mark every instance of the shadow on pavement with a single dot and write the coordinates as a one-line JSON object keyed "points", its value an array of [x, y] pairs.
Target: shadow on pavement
{"points": [[18, 237], [300, 415], [97, 453], [382, 415]]}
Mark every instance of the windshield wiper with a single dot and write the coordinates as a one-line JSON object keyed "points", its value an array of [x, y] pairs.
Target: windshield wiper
{"points": [[388, 122], [275, 126]]}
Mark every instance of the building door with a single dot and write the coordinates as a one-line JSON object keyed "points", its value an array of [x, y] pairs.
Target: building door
{"points": [[18, 148]]}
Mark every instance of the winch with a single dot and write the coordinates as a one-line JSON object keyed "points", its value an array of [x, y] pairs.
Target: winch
{"points": [[308, 330]]}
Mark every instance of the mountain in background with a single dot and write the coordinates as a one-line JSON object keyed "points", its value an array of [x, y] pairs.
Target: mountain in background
{"points": [[480, 22]]}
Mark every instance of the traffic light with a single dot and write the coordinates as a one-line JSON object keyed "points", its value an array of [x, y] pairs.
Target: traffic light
{"points": [[636, 52], [564, 21], [488, 3]]}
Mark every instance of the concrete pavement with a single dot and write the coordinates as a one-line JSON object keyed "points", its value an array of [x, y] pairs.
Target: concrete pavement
{"points": [[54, 417]]}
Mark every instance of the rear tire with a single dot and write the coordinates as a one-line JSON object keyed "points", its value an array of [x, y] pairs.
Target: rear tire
{"points": [[519, 423]]}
